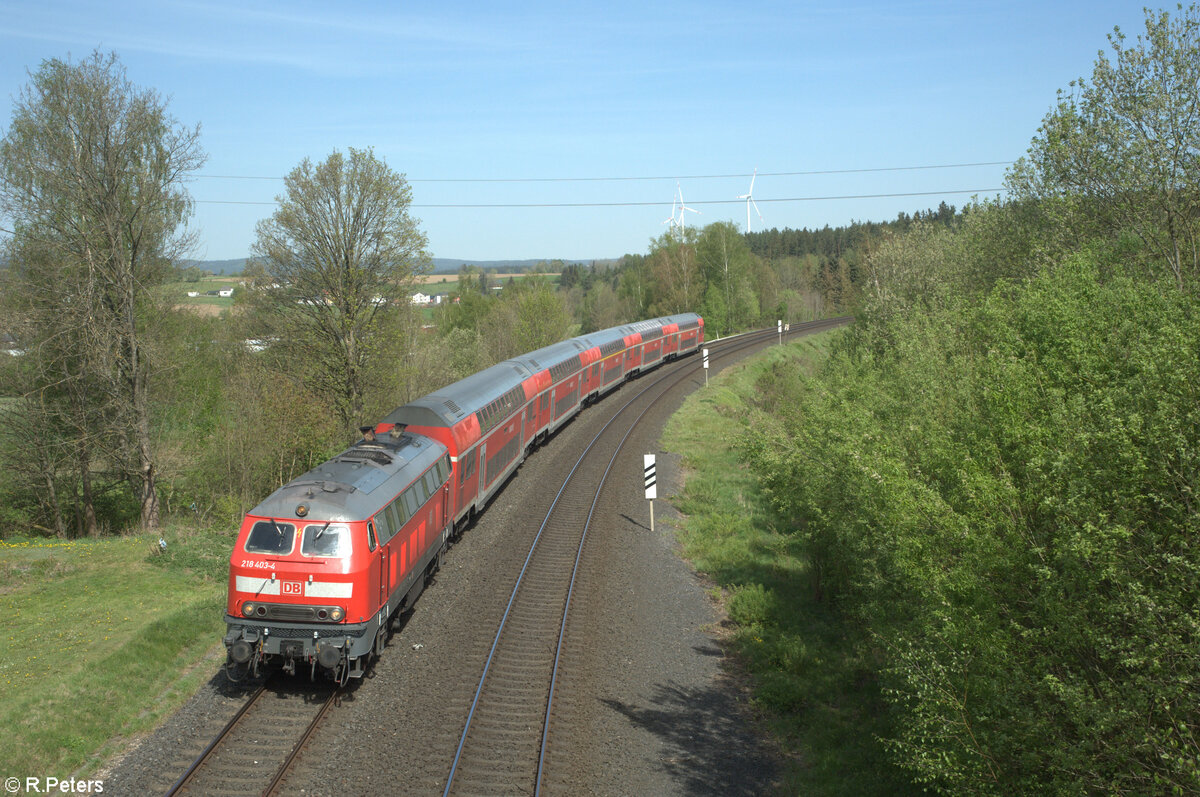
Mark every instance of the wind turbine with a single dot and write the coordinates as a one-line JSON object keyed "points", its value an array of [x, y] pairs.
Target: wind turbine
{"points": [[671, 219], [749, 197], [682, 208]]}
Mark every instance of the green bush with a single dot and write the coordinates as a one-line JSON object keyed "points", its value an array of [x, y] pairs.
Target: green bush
{"points": [[1004, 497], [751, 605]]}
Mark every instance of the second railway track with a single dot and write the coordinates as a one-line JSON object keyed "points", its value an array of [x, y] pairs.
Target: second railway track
{"points": [[503, 747]]}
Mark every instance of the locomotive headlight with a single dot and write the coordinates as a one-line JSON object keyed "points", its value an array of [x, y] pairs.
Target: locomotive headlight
{"points": [[248, 608], [336, 614]]}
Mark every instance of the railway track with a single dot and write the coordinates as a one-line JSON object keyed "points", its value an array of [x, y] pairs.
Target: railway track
{"points": [[255, 750], [509, 728], [507, 734]]}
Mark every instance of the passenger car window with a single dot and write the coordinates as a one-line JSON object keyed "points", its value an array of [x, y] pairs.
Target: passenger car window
{"points": [[271, 537], [323, 539]]}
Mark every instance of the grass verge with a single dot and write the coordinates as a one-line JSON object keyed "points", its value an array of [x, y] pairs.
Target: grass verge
{"points": [[811, 672], [101, 641]]}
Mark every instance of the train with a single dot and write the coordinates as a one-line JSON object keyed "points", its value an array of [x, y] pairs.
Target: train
{"points": [[323, 565]]}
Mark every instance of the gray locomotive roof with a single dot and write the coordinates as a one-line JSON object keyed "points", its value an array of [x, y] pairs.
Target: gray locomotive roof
{"points": [[355, 483], [452, 403]]}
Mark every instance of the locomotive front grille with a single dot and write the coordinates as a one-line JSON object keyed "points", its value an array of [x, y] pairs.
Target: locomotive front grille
{"points": [[280, 612]]}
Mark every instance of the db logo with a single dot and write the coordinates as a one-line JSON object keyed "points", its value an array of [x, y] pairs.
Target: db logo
{"points": [[292, 587]]}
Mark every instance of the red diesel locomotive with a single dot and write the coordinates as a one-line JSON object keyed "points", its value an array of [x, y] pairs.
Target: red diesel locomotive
{"points": [[321, 566]]}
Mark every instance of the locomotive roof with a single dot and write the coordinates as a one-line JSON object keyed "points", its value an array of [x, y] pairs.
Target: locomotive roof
{"points": [[355, 483], [450, 404]]}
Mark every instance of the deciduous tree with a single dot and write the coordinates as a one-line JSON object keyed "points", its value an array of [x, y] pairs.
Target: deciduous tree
{"points": [[1127, 142], [341, 249], [91, 178]]}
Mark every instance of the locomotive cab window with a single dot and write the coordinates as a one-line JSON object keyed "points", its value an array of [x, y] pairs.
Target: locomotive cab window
{"points": [[411, 504], [271, 537], [324, 539]]}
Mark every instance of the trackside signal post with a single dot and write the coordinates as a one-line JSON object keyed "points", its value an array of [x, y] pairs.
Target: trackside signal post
{"points": [[651, 484], [779, 329], [705, 353]]}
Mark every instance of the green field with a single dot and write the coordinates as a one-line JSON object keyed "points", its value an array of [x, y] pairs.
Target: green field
{"points": [[103, 639], [811, 683]]}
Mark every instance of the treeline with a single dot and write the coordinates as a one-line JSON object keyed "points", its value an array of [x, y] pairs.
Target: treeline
{"points": [[121, 409], [124, 410], [994, 477], [830, 243]]}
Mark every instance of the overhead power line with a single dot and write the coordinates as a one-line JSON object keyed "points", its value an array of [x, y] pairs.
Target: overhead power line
{"points": [[644, 178], [657, 202]]}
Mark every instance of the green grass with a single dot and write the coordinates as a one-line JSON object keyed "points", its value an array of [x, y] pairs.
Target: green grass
{"points": [[810, 671], [102, 639]]}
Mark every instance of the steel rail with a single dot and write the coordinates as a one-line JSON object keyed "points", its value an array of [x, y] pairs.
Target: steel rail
{"points": [[312, 726], [186, 776]]}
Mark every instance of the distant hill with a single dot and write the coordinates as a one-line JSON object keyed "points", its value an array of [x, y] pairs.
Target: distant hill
{"points": [[441, 265], [218, 266], [448, 265]]}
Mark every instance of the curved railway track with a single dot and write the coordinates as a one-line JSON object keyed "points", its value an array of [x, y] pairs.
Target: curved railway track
{"points": [[509, 727], [504, 742]]}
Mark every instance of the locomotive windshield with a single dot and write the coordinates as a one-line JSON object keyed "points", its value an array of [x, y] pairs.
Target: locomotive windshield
{"points": [[271, 536], [323, 539]]}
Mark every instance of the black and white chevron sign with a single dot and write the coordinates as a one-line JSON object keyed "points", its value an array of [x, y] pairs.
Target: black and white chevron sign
{"points": [[651, 478]]}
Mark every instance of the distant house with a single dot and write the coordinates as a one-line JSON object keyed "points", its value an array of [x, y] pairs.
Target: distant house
{"points": [[441, 297], [225, 292], [193, 294], [420, 298]]}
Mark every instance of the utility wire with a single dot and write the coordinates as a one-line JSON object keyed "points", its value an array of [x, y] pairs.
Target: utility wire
{"points": [[656, 203], [631, 179]]}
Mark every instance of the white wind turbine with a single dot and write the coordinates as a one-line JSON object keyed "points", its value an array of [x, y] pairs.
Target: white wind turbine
{"points": [[671, 219], [749, 197], [682, 208]]}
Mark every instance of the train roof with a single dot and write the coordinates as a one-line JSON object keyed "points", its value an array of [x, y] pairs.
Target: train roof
{"points": [[549, 356], [450, 404], [356, 483]]}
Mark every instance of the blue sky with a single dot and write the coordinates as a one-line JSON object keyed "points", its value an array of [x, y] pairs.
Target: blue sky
{"points": [[472, 100]]}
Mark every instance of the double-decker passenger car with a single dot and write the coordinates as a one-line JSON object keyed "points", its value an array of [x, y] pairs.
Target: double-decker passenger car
{"points": [[321, 566]]}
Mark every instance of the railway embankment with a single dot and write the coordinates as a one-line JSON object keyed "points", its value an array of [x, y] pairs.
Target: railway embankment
{"points": [[802, 664]]}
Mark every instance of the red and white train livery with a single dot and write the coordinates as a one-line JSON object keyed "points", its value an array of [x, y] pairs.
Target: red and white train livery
{"points": [[323, 563]]}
